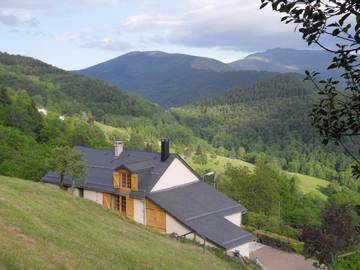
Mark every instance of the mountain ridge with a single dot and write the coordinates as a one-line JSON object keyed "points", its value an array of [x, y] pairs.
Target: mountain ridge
{"points": [[171, 79], [175, 79], [284, 60]]}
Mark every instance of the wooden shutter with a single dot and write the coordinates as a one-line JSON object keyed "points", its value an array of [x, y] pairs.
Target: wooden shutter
{"points": [[116, 179], [134, 182], [107, 200], [130, 207], [155, 217]]}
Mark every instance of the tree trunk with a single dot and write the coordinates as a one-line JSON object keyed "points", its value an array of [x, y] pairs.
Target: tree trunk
{"points": [[72, 187], [62, 180]]}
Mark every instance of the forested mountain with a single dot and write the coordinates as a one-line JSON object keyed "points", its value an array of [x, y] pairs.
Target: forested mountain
{"points": [[69, 93], [286, 60], [269, 117], [171, 79], [27, 136]]}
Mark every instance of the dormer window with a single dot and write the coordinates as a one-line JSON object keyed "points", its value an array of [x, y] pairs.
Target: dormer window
{"points": [[128, 183], [123, 180]]}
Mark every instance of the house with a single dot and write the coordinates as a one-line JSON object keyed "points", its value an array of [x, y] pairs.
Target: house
{"points": [[162, 191]]}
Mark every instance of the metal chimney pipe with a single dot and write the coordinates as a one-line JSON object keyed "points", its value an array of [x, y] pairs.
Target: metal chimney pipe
{"points": [[118, 148]]}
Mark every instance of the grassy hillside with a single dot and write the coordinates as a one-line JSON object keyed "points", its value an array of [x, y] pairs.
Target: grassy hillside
{"points": [[42, 227], [217, 164], [309, 184]]}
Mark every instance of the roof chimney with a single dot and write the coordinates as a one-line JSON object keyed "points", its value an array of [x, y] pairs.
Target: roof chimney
{"points": [[118, 148], [165, 147]]}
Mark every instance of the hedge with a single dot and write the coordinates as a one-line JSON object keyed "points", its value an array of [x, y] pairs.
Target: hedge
{"points": [[279, 241]]}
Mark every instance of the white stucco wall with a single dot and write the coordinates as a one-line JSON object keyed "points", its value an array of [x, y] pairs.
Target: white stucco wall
{"points": [[93, 196], [244, 250], [234, 218], [173, 226], [139, 211], [176, 174], [75, 192]]}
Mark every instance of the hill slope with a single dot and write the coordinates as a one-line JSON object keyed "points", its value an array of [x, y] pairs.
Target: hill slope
{"points": [[42, 227], [27, 136], [66, 92], [271, 117], [171, 79], [286, 60]]}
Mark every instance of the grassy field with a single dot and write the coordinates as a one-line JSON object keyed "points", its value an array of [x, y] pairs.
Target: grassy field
{"points": [[309, 184], [109, 131], [42, 227], [218, 164], [306, 183]]}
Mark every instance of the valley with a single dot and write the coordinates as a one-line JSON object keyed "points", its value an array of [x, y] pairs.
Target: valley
{"points": [[185, 135], [257, 138]]}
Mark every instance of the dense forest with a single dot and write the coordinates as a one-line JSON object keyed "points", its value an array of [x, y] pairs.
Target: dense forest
{"points": [[28, 85], [271, 118]]}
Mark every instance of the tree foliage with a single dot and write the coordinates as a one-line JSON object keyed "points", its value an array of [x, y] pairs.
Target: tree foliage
{"points": [[77, 169], [269, 117], [336, 234], [64, 162], [334, 26]]}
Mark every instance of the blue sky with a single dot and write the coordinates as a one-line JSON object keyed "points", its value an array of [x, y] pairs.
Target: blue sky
{"points": [[80, 33]]}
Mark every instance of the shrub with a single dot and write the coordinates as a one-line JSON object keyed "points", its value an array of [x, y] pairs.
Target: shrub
{"points": [[280, 242]]}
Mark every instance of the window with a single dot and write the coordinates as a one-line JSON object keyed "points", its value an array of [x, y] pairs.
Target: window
{"points": [[123, 204], [126, 180], [123, 180], [116, 202], [129, 181]]}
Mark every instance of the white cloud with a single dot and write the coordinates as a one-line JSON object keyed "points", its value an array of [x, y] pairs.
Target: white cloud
{"points": [[11, 19], [46, 4], [10, 9], [108, 44], [148, 21], [230, 24]]}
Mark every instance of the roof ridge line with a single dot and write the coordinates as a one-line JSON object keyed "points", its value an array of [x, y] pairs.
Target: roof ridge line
{"points": [[97, 166], [211, 212]]}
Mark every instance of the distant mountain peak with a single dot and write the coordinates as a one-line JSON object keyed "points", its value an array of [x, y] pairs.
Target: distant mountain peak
{"points": [[171, 79], [284, 60]]}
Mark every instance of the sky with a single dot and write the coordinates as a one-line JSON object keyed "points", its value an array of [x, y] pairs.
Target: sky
{"points": [[74, 34]]}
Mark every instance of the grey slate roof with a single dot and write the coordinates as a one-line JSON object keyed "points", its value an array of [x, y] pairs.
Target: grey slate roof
{"points": [[101, 163], [196, 205], [202, 209]]}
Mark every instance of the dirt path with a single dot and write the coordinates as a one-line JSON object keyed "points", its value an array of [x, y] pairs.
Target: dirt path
{"points": [[274, 259]]}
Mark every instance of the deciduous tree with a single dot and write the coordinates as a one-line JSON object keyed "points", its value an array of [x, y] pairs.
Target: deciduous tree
{"points": [[334, 25], [64, 161], [335, 235]]}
